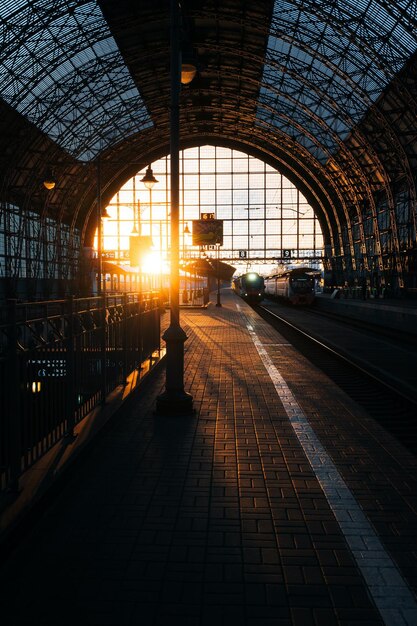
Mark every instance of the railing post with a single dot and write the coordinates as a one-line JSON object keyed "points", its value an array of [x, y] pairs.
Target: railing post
{"points": [[138, 334], [103, 359], [14, 405], [157, 328], [124, 330], [70, 370]]}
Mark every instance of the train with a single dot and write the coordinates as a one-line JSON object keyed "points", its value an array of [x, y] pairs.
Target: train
{"points": [[295, 286], [249, 286]]}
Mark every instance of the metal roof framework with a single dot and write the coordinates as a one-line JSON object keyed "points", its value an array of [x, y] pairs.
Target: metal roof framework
{"points": [[323, 89], [60, 67]]}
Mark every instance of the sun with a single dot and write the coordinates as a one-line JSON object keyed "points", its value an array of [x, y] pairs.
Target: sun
{"points": [[153, 263]]}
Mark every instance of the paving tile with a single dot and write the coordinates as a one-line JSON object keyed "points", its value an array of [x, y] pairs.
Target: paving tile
{"points": [[219, 517]]}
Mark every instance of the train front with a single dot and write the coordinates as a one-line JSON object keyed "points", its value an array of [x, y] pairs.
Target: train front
{"points": [[301, 288], [253, 287]]}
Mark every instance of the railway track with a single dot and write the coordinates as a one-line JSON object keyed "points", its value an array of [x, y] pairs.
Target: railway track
{"points": [[398, 338], [392, 404]]}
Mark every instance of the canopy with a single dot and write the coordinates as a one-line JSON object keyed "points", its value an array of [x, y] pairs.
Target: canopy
{"points": [[210, 267]]}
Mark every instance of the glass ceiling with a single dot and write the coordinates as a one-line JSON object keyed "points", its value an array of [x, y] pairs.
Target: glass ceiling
{"points": [[60, 67], [327, 61]]}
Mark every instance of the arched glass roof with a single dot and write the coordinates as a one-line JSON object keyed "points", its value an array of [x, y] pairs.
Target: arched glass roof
{"points": [[327, 62], [314, 67], [60, 67]]}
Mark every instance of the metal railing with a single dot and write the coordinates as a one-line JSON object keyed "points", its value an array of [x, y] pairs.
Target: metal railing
{"points": [[58, 360]]}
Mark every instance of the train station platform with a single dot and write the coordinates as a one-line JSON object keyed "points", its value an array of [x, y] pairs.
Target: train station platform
{"points": [[280, 502], [396, 314]]}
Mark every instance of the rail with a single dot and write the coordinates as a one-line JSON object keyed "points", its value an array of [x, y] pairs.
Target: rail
{"points": [[58, 360]]}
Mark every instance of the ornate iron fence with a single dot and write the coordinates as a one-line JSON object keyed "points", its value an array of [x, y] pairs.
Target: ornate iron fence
{"points": [[58, 360]]}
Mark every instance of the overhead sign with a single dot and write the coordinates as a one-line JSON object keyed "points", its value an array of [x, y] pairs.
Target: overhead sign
{"points": [[207, 232], [242, 254], [207, 216], [286, 254]]}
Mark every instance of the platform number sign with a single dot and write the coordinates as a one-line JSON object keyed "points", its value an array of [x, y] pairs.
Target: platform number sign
{"points": [[207, 216], [242, 254], [286, 254]]}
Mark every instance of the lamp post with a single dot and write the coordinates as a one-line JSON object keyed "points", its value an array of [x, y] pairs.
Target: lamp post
{"points": [[102, 215], [188, 289], [101, 289], [175, 400], [149, 181], [134, 242], [99, 231], [218, 303]]}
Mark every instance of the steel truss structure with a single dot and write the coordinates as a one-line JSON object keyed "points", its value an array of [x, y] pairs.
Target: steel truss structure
{"points": [[322, 90]]}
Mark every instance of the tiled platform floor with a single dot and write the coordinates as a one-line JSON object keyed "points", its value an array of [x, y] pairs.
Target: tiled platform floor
{"points": [[220, 518]]}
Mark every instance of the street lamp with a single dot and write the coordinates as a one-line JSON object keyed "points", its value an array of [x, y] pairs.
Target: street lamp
{"points": [[149, 179], [49, 180], [175, 400]]}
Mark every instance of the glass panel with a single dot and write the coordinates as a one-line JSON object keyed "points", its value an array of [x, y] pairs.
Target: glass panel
{"points": [[207, 181], [376, 41], [256, 227], [256, 198], [224, 165], [62, 70], [208, 196], [223, 181], [191, 181]]}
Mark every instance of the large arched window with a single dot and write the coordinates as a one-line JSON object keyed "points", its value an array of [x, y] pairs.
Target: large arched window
{"points": [[266, 220]]}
